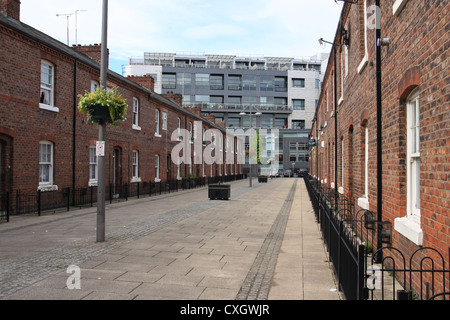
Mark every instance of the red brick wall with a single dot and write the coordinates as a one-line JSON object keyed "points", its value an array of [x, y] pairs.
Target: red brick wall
{"points": [[11, 8], [417, 58], [24, 124]]}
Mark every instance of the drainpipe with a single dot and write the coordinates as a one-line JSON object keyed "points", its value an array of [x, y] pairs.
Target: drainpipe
{"points": [[74, 128], [335, 125], [379, 127]]}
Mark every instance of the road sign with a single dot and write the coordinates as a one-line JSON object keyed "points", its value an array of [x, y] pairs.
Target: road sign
{"points": [[100, 148]]}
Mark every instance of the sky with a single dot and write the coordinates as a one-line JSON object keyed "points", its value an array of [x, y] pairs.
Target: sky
{"points": [[281, 28]]}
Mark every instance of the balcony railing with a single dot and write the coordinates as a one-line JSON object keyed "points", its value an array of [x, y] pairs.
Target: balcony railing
{"points": [[283, 66], [240, 107]]}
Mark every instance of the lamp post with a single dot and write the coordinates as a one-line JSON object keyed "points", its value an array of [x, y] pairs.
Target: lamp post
{"points": [[102, 131], [250, 139]]}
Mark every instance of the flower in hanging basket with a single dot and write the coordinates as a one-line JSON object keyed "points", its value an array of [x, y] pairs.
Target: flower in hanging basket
{"points": [[103, 104]]}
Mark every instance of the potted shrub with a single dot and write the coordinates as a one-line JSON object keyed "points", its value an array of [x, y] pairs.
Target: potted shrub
{"points": [[219, 191], [103, 104], [262, 178], [189, 181]]}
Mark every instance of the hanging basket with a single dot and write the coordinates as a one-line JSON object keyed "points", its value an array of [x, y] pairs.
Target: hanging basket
{"points": [[103, 105], [98, 112]]}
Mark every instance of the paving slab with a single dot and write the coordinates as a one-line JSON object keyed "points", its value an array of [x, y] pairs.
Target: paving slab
{"points": [[263, 243]]}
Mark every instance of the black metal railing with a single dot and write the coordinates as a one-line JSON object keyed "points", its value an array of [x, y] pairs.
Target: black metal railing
{"points": [[66, 199], [334, 215], [365, 272]]}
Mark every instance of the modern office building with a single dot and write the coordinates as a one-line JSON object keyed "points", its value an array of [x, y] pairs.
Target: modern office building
{"points": [[274, 93], [284, 90]]}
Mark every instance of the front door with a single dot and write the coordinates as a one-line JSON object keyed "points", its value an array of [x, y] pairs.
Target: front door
{"points": [[5, 163], [5, 170]]}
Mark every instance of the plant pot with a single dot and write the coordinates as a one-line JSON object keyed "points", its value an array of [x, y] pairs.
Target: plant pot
{"points": [[98, 112], [219, 191]]}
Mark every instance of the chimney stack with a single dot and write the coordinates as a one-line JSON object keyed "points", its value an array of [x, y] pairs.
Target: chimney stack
{"points": [[175, 97], [11, 8], [146, 81], [94, 51]]}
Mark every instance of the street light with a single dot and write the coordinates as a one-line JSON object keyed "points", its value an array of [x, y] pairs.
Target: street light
{"points": [[250, 139], [102, 130]]}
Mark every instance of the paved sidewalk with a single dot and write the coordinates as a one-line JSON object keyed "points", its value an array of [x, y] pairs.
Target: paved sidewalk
{"points": [[261, 244]]}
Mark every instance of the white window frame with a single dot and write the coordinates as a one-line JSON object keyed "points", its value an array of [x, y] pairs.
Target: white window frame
{"points": [[46, 161], [365, 59], [157, 179], [341, 98], [93, 166], [413, 156], [136, 114], [94, 85], [164, 124], [346, 60], [203, 168], [179, 137], [363, 201], [157, 120], [179, 169], [410, 225], [48, 85], [341, 188], [135, 166]]}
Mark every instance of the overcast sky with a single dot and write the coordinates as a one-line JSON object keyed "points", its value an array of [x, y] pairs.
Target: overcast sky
{"points": [[281, 28]]}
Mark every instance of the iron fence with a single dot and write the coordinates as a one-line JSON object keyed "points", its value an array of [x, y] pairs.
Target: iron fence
{"points": [[66, 199], [365, 272]]}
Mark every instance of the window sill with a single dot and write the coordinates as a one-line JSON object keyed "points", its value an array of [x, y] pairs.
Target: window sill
{"points": [[48, 187], [363, 203], [157, 180], [93, 183], [398, 7], [410, 228], [136, 127], [158, 135], [135, 179], [363, 64], [48, 107]]}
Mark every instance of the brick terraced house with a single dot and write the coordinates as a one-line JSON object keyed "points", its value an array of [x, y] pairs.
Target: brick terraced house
{"points": [[399, 170], [46, 144]]}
